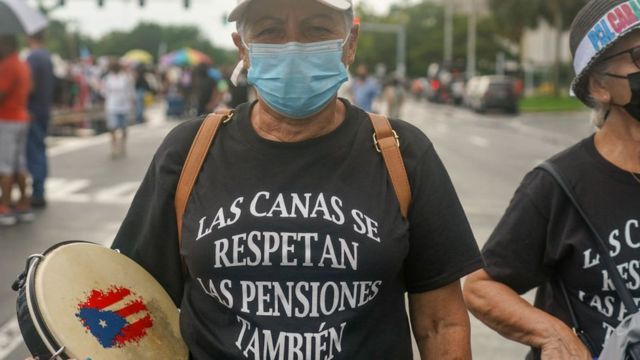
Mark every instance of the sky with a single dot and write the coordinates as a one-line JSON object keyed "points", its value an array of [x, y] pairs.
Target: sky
{"points": [[125, 14]]}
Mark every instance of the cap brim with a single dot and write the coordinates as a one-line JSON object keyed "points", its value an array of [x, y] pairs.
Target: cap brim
{"points": [[237, 12], [336, 4]]}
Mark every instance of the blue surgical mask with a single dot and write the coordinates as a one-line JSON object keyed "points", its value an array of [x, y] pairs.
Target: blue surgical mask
{"points": [[297, 80]]}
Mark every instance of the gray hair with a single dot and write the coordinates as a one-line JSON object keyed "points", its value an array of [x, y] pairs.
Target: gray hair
{"points": [[241, 24], [600, 110]]}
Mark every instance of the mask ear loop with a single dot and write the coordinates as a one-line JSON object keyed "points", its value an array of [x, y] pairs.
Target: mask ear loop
{"points": [[236, 73], [346, 41], [239, 68]]}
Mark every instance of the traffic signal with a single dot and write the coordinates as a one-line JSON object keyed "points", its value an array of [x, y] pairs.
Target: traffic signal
{"points": [[141, 3], [61, 2], [100, 3], [187, 4]]}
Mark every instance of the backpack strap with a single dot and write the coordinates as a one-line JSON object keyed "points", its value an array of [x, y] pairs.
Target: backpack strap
{"points": [[194, 161], [387, 142], [608, 262]]}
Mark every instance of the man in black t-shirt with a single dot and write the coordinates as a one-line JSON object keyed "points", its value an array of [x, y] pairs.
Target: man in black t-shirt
{"points": [[542, 241], [293, 237]]}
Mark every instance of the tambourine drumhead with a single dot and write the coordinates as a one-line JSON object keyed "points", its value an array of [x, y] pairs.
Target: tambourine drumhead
{"points": [[99, 304]]}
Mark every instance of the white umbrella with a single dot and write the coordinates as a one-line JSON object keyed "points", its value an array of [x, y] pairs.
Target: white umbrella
{"points": [[16, 17]]}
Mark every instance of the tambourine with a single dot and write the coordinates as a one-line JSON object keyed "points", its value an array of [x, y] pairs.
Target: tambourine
{"points": [[79, 300]]}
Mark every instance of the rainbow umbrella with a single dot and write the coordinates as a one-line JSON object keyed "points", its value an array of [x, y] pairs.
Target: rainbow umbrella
{"points": [[186, 56], [137, 56]]}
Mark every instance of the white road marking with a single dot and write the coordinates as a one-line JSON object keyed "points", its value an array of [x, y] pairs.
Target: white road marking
{"points": [[479, 141], [10, 337], [77, 144], [138, 131], [440, 128], [74, 191], [121, 194], [62, 190]]}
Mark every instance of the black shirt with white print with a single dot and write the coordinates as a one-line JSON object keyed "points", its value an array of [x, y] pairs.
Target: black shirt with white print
{"points": [[542, 238], [299, 250]]}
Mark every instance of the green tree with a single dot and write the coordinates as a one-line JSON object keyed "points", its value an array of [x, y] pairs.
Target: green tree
{"points": [[64, 42], [516, 16], [149, 37], [560, 14], [424, 23]]}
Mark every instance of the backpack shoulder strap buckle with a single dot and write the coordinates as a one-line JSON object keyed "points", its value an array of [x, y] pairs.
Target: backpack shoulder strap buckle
{"points": [[377, 144]]}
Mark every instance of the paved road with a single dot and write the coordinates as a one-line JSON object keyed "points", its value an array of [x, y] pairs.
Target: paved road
{"points": [[487, 157]]}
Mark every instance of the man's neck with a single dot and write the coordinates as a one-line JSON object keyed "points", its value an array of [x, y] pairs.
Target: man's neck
{"points": [[619, 141], [273, 126]]}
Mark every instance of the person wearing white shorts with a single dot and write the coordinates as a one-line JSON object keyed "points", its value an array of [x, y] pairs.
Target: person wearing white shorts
{"points": [[118, 90], [15, 86], [13, 164]]}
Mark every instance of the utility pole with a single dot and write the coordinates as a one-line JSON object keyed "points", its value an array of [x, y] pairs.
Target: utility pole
{"points": [[472, 34], [401, 53], [448, 32]]}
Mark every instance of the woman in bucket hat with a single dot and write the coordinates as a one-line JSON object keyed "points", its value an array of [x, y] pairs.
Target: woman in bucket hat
{"points": [[294, 240], [542, 242]]}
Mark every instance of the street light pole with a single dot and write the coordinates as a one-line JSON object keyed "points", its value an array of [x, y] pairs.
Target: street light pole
{"points": [[448, 32], [401, 71], [472, 18]]}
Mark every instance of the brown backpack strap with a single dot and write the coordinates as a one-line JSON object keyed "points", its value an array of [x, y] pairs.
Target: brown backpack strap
{"points": [[387, 143], [192, 165]]}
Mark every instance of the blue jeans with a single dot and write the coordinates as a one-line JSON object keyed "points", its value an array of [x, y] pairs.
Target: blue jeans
{"points": [[36, 154], [117, 120], [140, 106]]}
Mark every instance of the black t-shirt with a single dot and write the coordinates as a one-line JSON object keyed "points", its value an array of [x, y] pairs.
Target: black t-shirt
{"points": [[542, 238], [298, 250]]}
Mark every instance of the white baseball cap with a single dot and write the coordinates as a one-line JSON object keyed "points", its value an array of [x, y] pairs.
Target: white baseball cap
{"points": [[239, 10]]}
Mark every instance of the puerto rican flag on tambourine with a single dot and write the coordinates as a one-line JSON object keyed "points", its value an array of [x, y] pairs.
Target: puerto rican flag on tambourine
{"points": [[115, 316]]}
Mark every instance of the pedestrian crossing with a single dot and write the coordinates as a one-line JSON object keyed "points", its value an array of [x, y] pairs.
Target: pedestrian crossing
{"points": [[82, 191]]}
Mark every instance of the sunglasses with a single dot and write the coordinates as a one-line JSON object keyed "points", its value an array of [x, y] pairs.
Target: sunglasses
{"points": [[634, 52]]}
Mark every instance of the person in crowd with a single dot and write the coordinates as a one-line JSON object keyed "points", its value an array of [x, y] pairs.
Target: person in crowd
{"points": [[365, 88], [173, 95], [294, 244], [542, 242], [15, 86], [393, 95], [142, 87], [40, 102], [119, 97], [205, 89]]}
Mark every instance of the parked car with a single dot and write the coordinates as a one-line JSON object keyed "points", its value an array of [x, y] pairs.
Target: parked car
{"points": [[491, 92]]}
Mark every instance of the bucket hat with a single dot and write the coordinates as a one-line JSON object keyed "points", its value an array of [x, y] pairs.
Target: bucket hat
{"points": [[599, 25]]}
